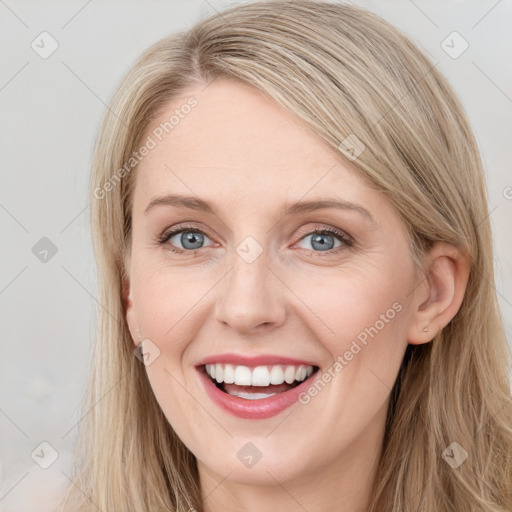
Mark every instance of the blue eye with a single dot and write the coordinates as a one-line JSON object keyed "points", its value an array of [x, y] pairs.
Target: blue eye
{"points": [[191, 239], [322, 241]]}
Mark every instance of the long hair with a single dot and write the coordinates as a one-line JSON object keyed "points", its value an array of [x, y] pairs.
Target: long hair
{"points": [[349, 76]]}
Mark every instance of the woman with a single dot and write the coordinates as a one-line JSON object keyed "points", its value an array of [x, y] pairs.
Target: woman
{"points": [[295, 261]]}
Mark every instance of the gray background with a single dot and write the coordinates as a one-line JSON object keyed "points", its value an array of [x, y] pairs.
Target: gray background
{"points": [[50, 112]]}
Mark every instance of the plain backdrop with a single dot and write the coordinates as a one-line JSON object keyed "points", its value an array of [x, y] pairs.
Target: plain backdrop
{"points": [[50, 112]]}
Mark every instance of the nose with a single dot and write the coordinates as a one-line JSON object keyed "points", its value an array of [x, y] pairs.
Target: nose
{"points": [[250, 298]]}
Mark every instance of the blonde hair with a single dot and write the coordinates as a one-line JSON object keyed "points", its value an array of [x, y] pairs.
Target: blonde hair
{"points": [[345, 73]]}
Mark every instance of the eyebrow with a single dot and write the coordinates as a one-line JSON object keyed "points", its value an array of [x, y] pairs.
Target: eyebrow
{"points": [[194, 203]]}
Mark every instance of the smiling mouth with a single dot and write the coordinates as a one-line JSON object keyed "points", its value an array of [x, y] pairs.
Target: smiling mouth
{"points": [[256, 383]]}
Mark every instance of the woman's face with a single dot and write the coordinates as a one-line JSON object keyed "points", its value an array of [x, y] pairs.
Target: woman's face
{"points": [[250, 284]]}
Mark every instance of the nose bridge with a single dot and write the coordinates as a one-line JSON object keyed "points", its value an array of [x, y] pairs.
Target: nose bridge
{"points": [[249, 297]]}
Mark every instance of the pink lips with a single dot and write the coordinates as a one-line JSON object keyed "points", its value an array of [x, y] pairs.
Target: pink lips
{"points": [[253, 409], [252, 361]]}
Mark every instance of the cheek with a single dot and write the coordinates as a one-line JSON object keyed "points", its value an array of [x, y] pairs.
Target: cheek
{"points": [[170, 305], [353, 303], [360, 316], [169, 308], [179, 404], [166, 301]]}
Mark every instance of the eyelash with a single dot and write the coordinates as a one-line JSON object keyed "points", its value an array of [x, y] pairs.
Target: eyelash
{"points": [[346, 240]]}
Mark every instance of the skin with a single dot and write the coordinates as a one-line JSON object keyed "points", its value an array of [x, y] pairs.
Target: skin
{"points": [[247, 157]]}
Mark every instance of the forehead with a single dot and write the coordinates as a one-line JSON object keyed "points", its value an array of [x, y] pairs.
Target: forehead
{"points": [[236, 145]]}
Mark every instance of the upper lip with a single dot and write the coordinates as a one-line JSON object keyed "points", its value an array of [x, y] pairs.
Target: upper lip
{"points": [[253, 361]]}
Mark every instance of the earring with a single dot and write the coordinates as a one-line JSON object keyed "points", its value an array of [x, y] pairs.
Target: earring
{"points": [[425, 329]]}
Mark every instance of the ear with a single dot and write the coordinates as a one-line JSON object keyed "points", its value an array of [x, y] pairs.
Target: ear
{"points": [[440, 295], [130, 310]]}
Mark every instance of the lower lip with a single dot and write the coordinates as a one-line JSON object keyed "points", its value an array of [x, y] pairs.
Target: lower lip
{"points": [[254, 409]]}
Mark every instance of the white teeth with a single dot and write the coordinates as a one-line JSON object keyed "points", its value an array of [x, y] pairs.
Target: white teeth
{"points": [[276, 375], [258, 376], [250, 396], [219, 373], [289, 374], [229, 374], [243, 376]]}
